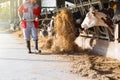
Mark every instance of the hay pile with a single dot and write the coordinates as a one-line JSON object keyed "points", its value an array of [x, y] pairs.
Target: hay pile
{"points": [[97, 67], [18, 34], [65, 32], [45, 43]]}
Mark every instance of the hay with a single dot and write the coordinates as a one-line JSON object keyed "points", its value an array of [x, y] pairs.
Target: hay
{"points": [[65, 32], [47, 44], [18, 34]]}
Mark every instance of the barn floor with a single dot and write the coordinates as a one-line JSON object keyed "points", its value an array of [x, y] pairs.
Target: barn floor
{"points": [[94, 66], [17, 64], [88, 64]]}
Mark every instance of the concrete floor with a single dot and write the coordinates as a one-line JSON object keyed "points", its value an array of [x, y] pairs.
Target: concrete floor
{"points": [[17, 64]]}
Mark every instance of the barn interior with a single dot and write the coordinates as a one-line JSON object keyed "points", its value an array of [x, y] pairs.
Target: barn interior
{"points": [[57, 4], [47, 10], [85, 47]]}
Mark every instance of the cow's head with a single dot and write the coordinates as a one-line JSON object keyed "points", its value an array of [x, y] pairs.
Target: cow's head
{"points": [[89, 21]]}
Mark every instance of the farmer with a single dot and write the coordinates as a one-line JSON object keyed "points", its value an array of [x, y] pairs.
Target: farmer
{"points": [[28, 13]]}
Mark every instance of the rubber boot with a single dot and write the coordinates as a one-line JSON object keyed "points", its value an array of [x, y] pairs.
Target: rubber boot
{"points": [[28, 46], [36, 47]]}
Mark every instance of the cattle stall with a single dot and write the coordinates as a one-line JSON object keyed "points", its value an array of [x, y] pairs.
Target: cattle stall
{"points": [[98, 43], [101, 44]]}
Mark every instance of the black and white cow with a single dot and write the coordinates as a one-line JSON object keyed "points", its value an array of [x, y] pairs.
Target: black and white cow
{"points": [[47, 29], [78, 19], [95, 19]]}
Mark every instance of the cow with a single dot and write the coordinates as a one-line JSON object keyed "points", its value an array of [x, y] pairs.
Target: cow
{"points": [[78, 19], [47, 29], [95, 18], [50, 28]]}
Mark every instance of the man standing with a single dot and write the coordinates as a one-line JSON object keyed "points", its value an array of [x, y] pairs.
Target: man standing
{"points": [[28, 13]]}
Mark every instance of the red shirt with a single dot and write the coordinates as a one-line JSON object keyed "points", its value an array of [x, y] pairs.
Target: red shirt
{"points": [[25, 9]]}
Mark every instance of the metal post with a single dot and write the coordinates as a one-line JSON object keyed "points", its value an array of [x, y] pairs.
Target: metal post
{"points": [[89, 3], [75, 2], [11, 10], [116, 33], [100, 5], [82, 7], [20, 2], [16, 6]]}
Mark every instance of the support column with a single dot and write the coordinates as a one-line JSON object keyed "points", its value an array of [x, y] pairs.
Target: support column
{"points": [[19, 2], [116, 33], [11, 11], [16, 9]]}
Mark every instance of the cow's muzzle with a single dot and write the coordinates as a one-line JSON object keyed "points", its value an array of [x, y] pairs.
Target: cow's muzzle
{"points": [[85, 26]]}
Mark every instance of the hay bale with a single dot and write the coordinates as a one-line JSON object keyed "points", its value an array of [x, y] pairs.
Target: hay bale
{"points": [[65, 30]]}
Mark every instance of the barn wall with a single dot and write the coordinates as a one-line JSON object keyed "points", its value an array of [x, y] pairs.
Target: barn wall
{"points": [[48, 3]]}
